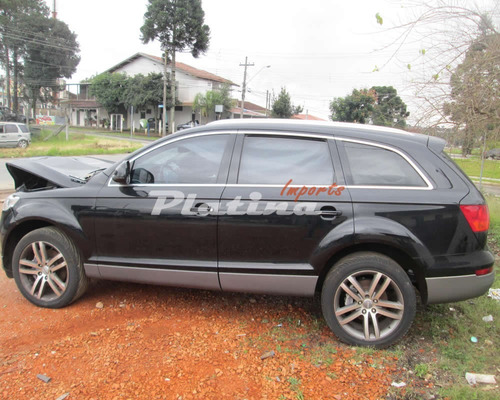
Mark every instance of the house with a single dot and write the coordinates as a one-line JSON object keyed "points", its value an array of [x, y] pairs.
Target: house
{"points": [[307, 117], [250, 110], [189, 82]]}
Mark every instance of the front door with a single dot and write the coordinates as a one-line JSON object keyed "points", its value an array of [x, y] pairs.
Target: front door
{"points": [[159, 228]]}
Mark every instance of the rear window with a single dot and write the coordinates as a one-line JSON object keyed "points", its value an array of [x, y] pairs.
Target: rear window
{"points": [[376, 166], [24, 128]]}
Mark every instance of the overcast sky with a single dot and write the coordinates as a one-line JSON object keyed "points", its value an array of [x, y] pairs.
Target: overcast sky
{"points": [[317, 49]]}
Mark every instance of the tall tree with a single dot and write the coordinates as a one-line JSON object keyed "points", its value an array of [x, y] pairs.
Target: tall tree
{"points": [[14, 25], [282, 106], [178, 25], [475, 92], [51, 53], [356, 107], [445, 30], [389, 109]]}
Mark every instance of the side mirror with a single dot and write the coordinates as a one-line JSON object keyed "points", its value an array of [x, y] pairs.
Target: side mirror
{"points": [[122, 173]]}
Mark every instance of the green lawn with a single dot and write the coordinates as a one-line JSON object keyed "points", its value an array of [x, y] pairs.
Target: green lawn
{"points": [[78, 144], [472, 167]]}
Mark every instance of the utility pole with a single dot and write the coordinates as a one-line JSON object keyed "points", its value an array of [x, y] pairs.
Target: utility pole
{"points": [[164, 111], [54, 11], [244, 84]]}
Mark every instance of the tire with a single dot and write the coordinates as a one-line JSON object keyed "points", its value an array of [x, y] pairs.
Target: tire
{"points": [[384, 311], [48, 269], [22, 144]]}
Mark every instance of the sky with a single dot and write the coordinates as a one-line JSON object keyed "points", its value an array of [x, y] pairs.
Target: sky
{"points": [[316, 49]]}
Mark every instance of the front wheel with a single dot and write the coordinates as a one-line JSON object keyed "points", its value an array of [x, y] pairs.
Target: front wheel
{"points": [[368, 300], [47, 268], [22, 144]]}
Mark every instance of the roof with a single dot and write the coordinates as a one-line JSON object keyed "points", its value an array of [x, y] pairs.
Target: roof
{"points": [[199, 73], [368, 133], [247, 112], [81, 103], [307, 117], [252, 106]]}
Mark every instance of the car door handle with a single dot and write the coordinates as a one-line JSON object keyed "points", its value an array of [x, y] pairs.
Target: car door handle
{"points": [[201, 209], [329, 213]]}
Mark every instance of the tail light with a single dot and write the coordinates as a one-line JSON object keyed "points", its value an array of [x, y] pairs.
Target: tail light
{"points": [[484, 271], [477, 216]]}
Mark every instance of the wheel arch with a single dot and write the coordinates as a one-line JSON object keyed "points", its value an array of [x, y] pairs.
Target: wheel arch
{"points": [[414, 270], [14, 236], [28, 225]]}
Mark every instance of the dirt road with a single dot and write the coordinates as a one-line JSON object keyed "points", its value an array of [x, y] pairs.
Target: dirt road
{"points": [[150, 342]]}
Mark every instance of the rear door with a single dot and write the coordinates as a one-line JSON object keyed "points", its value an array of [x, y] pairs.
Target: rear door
{"points": [[282, 212]]}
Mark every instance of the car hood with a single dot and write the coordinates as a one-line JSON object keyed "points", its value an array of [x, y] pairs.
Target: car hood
{"points": [[54, 172]]}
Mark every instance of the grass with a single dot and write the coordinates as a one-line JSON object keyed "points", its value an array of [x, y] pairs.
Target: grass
{"points": [[78, 144], [448, 328], [494, 207], [125, 134], [472, 167]]}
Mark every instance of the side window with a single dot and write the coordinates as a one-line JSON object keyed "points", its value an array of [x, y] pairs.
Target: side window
{"points": [[376, 166], [194, 160], [2, 129], [276, 160], [24, 128], [10, 128]]}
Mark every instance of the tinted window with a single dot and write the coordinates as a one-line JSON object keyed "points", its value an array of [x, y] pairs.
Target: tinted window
{"points": [[1, 129], [276, 160], [9, 128], [195, 160], [372, 165]]}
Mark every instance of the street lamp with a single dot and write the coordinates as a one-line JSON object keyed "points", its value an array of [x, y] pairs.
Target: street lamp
{"points": [[245, 85]]}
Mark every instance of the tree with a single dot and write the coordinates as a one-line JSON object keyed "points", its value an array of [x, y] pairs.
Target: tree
{"points": [[282, 106], [379, 105], [445, 31], [389, 109], [110, 90], [475, 92], [51, 53], [178, 25], [142, 91], [15, 24], [205, 103], [356, 107]]}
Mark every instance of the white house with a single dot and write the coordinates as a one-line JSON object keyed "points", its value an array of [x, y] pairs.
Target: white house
{"points": [[189, 82]]}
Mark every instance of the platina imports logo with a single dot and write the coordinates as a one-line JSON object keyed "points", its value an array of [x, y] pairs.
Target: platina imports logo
{"points": [[191, 205]]}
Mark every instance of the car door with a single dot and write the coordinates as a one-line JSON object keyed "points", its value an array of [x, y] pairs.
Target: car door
{"points": [[283, 213], [12, 133], [3, 136], [161, 227]]}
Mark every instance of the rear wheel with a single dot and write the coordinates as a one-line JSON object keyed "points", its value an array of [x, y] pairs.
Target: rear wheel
{"points": [[368, 300], [22, 144], [47, 268]]}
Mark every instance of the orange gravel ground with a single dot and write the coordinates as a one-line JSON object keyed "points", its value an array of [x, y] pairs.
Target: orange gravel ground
{"points": [[151, 342]]}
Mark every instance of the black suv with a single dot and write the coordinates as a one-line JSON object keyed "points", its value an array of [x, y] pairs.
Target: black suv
{"points": [[362, 215]]}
